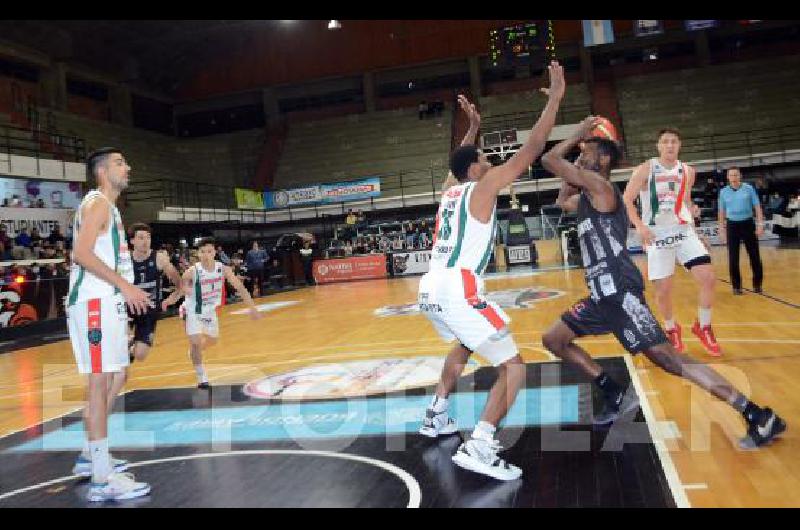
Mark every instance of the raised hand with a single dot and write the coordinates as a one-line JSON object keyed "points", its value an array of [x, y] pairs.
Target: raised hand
{"points": [[557, 83]]}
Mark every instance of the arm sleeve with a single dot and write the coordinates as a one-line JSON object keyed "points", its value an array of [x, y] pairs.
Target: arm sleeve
{"points": [[754, 197], [721, 201]]}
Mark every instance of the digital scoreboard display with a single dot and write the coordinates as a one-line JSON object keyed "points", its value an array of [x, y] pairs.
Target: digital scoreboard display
{"points": [[522, 44]]}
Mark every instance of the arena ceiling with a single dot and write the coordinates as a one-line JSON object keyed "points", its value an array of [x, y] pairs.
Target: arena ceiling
{"points": [[157, 54]]}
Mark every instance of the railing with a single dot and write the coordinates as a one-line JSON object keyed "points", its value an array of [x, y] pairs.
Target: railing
{"points": [[526, 119], [413, 184], [41, 144], [711, 147]]}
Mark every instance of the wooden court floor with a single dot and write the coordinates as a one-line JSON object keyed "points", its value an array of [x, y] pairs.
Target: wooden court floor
{"points": [[760, 337]]}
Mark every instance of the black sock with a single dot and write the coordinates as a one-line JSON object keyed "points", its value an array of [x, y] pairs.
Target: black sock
{"points": [[610, 388]]}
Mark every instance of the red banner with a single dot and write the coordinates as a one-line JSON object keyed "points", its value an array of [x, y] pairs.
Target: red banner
{"points": [[355, 268]]}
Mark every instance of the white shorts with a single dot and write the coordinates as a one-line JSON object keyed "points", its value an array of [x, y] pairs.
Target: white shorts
{"points": [[454, 305], [672, 243], [205, 323], [98, 330]]}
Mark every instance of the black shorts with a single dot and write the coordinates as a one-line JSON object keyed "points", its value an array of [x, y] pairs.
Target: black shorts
{"points": [[144, 327], [626, 315]]}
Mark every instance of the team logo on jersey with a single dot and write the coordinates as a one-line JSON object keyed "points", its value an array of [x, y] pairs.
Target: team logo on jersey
{"points": [[95, 336], [508, 299], [351, 379]]}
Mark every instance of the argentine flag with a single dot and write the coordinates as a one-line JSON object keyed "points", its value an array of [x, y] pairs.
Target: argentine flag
{"points": [[597, 32]]}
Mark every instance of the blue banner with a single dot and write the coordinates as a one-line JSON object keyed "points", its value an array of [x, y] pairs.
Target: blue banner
{"points": [[324, 193], [351, 191]]}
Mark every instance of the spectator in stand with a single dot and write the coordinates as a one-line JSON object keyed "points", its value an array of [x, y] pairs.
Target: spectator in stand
{"points": [[16, 202], [222, 257], [361, 220], [423, 109], [35, 236], [61, 252], [307, 257], [240, 271], [255, 259], [348, 249], [23, 239], [423, 240], [40, 203], [56, 235], [6, 243]]}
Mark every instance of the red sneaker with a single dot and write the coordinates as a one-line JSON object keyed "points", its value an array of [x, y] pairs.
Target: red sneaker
{"points": [[707, 339], [674, 336]]}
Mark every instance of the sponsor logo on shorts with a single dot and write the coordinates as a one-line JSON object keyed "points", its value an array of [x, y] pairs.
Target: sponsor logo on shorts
{"points": [[350, 379], [508, 299], [95, 336], [669, 241]]}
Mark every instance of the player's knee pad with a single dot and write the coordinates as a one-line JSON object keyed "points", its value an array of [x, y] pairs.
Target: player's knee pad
{"points": [[499, 348]]}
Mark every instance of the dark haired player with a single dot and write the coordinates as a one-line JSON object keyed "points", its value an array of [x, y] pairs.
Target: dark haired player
{"points": [[616, 303], [451, 293], [203, 285]]}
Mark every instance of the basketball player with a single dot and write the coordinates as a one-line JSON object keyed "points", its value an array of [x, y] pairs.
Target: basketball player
{"points": [[616, 303], [450, 294], [101, 283], [204, 288], [148, 266], [664, 187]]}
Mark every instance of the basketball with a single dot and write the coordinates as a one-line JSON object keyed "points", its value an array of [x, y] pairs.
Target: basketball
{"points": [[605, 129]]}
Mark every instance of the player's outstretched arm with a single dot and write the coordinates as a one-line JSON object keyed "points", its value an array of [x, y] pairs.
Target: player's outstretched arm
{"points": [[241, 291]]}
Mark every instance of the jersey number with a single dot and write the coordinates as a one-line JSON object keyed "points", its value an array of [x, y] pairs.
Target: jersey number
{"points": [[445, 230]]}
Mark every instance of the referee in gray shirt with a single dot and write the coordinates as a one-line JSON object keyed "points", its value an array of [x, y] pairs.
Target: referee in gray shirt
{"points": [[737, 201]]}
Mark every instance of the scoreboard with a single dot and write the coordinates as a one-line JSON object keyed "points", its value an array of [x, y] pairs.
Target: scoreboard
{"points": [[522, 44]]}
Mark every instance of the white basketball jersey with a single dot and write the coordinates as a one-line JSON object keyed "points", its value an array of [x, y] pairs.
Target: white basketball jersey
{"points": [[664, 197], [460, 241], [208, 291], [111, 248]]}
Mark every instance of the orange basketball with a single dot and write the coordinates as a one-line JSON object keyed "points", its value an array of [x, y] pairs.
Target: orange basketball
{"points": [[605, 129]]}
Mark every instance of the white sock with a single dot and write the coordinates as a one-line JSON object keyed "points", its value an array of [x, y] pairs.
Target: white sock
{"points": [[484, 431], [704, 316], [86, 452], [101, 461], [438, 404], [201, 374], [669, 324]]}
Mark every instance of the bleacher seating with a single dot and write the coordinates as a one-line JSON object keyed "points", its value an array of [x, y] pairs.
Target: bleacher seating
{"points": [[520, 110], [384, 143], [717, 102]]}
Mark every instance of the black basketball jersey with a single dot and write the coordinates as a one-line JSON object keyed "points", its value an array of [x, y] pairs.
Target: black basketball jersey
{"points": [[603, 237], [147, 277]]}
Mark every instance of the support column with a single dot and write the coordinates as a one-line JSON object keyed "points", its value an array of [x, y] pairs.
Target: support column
{"points": [[272, 110], [587, 71], [475, 76], [368, 87], [702, 50]]}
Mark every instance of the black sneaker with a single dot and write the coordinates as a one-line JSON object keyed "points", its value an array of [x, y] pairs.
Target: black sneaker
{"points": [[613, 409], [766, 428], [204, 386], [737, 291]]}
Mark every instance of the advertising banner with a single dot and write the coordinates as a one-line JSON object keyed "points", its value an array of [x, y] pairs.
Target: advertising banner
{"points": [[368, 267], [405, 263], [15, 219], [249, 199], [54, 194], [351, 191]]}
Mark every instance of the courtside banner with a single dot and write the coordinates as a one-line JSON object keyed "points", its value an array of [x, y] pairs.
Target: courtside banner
{"points": [[45, 219], [410, 262], [292, 197], [249, 199], [368, 267], [351, 191]]}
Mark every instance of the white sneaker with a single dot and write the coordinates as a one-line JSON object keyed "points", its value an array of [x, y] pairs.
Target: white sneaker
{"points": [[83, 466], [118, 487], [437, 424], [480, 456]]}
